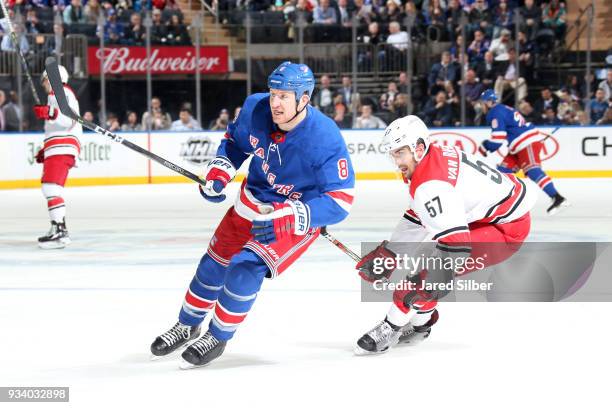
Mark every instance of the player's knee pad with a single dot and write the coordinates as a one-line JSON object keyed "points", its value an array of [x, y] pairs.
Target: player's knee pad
{"points": [[504, 169], [52, 190], [245, 273], [210, 272]]}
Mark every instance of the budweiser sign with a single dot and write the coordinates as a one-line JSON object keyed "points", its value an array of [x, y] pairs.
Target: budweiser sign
{"points": [[163, 60]]}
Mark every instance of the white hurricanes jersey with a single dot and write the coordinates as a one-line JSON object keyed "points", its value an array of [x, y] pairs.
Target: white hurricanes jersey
{"points": [[451, 189], [62, 133]]}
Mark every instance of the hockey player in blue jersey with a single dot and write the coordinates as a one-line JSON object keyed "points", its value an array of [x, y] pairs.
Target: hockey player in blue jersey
{"points": [[300, 178], [525, 143]]}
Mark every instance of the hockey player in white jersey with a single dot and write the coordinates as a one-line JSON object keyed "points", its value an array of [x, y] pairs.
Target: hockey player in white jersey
{"points": [[454, 201], [60, 150]]}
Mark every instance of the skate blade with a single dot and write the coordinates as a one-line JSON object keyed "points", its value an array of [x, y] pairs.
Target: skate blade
{"points": [[51, 245], [556, 210], [362, 352], [186, 365]]}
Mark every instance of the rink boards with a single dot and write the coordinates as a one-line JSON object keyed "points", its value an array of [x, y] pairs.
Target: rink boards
{"points": [[568, 152]]}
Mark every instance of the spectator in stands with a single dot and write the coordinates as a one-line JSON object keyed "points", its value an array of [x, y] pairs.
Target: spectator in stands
{"points": [[454, 12], [7, 42], [365, 54], [487, 70], [478, 47], [340, 114], [221, 122], [13, 116], [324, 14], [176, 33], [365, 12], [501, 45], [391, 12], [598, 105], [369, 121], [132, 124], [32, 25], [92, 10], [402, 82], [89, 116], [457, 49], [158, 29], [135, 33], [606, 85], [397, 38], [553, 17], [547, 99], [345, 13], [607, 118], [349, 98], [18, 6], [565, 109], [411, 16], [442, 72], [323, 97], [2, 119], [74, 13], [526, 52], [479, 18], [157, 119], [531, 18], [437, 111], [510, 78], [502, 18], [575, 87], [112, 122], [527, 111], [186, 122], [473, 88], [400, 106], [113, 30], [550, 118], [386, 100], [435, 16]]}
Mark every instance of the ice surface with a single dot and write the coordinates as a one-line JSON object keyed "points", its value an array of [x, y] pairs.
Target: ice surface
{"points": [[85, 316]]}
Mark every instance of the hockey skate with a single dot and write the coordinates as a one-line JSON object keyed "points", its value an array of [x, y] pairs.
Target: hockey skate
{"points": [[378, 340], [415, 334], [178, 336], [558, 202], [56, 238], [202, 352]]}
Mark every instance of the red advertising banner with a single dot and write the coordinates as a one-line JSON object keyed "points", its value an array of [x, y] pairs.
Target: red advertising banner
{"points": [[123, 60]]}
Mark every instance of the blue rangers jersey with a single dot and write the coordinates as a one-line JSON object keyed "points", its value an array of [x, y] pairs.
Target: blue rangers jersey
{"points": [[309, 163], [509, 125]]}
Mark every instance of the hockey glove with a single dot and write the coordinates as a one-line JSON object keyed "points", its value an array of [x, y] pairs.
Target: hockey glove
{"points": [[45, 112], [40, 156], [281, 221], [220, 171], [378, 264]]}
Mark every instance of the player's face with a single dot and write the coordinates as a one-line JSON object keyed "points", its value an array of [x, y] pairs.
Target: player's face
{"points": [[404, 159], [282, 105]]}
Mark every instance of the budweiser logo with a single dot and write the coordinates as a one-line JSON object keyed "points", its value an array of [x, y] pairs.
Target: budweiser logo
{"points": [[133, 60]]}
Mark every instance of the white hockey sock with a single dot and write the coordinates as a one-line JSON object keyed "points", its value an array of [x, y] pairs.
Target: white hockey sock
{"points": [[398, 317], [55, 202], [421, 318]]}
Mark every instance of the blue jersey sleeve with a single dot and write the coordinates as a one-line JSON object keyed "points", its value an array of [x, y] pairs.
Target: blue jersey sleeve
{"points": [[336, 178], [498, 130]]}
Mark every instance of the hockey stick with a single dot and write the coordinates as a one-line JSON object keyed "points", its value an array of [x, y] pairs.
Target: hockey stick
{"points": [[56, 83], [18, 49], [340, 245]]}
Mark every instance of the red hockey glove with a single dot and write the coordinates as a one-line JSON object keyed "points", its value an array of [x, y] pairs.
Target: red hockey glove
{"points": [[378, 264], [40, 156], [283, 220], [45, 112], [220, 171]]}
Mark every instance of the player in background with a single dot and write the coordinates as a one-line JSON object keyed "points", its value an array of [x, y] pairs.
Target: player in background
{"points": [[454, 201], [525, 143], [300, 178], [60, 150]]}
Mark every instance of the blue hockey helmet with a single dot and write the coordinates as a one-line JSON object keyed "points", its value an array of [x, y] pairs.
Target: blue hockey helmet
{"points": [[488, 95], [292, 77]]}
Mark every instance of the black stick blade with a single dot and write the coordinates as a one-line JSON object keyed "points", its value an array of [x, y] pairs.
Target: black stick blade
{"points": [[55, 80]]}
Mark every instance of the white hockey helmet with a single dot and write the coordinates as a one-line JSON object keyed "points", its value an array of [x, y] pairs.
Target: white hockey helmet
{"points": [[63, 74], [407, 131]]}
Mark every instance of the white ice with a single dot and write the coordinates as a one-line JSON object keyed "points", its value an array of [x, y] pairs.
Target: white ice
{"points": [[84, 317]]}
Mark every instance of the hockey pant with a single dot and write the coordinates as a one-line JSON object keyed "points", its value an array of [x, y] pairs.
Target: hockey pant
{"points": [[529, 161], [55, 173], [511, 235], [231, 272]]}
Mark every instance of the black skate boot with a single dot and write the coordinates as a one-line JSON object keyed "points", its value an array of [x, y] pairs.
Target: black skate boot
{"points": [[203, 351], [558, 201], [56, 238], [178, 336], [378, 340], [416, 334]]}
